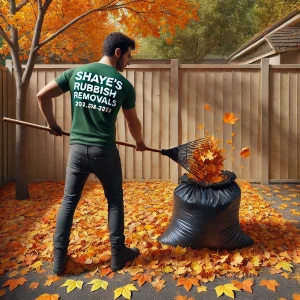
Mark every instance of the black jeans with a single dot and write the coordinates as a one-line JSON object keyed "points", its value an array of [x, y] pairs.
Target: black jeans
{"points": [[105, 163]]}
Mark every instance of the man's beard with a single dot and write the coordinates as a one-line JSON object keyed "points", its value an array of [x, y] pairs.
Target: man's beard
{"points": [[119, 65]]}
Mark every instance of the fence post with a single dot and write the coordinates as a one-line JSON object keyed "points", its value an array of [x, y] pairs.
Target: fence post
{"points": [[174, 168], [265, 82]]}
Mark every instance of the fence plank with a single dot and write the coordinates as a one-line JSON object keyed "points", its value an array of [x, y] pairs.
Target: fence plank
{"points": [[147, 123], [236, 128], [255, 131], [245, 121], [227, 130], [284, 124], [165, 123], [174, 115], [156, 125], [274, 125], [292, 136], [265, 120]]}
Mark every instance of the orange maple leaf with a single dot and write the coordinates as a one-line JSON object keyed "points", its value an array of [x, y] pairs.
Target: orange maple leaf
{"points": [[34, 285], [13, 283], [296, 296], [142, 278], [51, 279], [187, 283], [48, 297], [183, 298], [229, 118], [2, 293], [245, 152], [207, 107], [246, 285], [270, 284]]}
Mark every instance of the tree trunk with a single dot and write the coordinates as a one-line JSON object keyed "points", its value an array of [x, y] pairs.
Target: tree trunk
{"points": [[22, 191]]}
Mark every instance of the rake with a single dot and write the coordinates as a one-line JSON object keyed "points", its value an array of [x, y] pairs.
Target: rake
{"points": [[183, 154]]}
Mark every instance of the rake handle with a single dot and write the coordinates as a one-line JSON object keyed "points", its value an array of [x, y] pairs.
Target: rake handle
{"points": [[9, 120]]}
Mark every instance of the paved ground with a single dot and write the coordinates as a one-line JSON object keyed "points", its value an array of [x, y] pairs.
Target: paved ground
{"points": [[287, 287]]}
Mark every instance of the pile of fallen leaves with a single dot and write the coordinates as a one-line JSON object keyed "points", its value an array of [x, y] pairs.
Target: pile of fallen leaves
{"points": [[27, 227], [207, 161]]}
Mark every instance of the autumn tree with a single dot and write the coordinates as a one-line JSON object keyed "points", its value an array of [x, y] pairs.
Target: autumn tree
{"points": [[72, 29], [221, 27]]}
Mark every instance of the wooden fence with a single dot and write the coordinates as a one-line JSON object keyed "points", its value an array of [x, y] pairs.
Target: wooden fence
{"points": [[170, 104]]}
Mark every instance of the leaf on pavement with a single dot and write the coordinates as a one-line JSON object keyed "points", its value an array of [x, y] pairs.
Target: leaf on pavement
{"points": [[34, 285], [246, 285], [48, 297], [2, 292], [187, 283], [73, 284], [227, 289], [142, 278], [201, 289], [51, 279], [125, 291], [13, 283], [98, 284], [270, 284], [284, 265]]}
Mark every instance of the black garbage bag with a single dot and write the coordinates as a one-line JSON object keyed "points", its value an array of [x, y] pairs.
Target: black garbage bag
{"points": [[206, 215]]}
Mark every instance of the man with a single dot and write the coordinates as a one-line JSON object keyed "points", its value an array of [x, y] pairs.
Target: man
{"points": [[98, 91]]}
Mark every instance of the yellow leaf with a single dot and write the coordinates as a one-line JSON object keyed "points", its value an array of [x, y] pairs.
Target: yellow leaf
{"points": [[226, 289], [178, 251], [118, 292], [202, 288], [72, 285], [167, 269], [98, 284], [36, 265], [284, 265]]}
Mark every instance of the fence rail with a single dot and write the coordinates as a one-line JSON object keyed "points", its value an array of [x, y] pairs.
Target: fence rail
{"points": [[170, 104]]}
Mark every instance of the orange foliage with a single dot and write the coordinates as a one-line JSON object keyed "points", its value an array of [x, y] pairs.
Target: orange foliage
{"points": [[84, 38], [27, 227], [207, 162], [229, 118]]}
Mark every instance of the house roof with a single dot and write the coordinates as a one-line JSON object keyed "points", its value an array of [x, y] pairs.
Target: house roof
{"points": [[262, 35], [285, 39]]}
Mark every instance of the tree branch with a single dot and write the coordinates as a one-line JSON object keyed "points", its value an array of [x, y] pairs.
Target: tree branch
{"points": [[6, 38], [102, 8], [21, 5]]}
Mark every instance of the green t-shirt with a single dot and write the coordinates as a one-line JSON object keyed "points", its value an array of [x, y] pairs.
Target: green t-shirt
{"points": [[97, 93]]}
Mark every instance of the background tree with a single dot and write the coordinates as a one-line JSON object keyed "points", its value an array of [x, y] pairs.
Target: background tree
{"points": [[267, 12], [71, 29], [223, 27]]}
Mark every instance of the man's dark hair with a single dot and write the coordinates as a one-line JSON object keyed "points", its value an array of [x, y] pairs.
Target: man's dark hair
{"points": [[117, 40]]}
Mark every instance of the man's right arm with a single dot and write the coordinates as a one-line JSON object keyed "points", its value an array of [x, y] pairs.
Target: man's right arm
{"points": [[135, 128]]}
